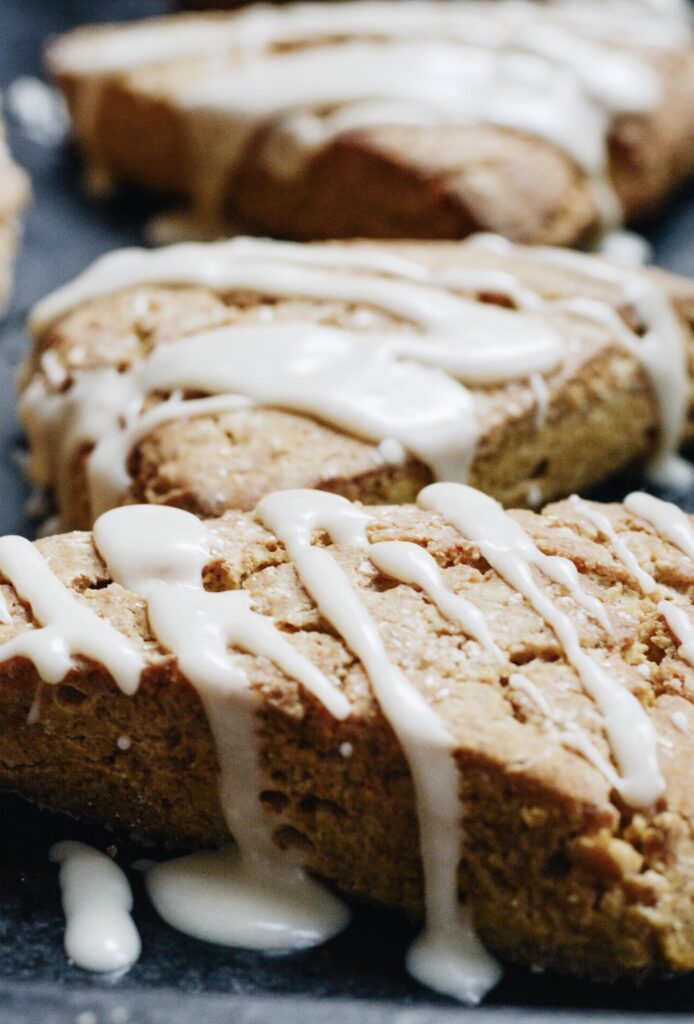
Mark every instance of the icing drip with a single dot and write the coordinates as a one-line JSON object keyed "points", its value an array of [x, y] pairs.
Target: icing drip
{"points": [[562, 72], [100, 934], [626, 247], [401, 385], [448, 955], [661, 349], [160, 553], [220, 896], [69, 628], [513, 555]]}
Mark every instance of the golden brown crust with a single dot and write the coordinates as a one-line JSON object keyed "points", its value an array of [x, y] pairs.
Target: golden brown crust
{"points": [[556, 869], [397, 182], [14, 194], [600, 414]]}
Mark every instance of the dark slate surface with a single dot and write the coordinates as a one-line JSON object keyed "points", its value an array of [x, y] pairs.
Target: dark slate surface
{"points": [[358, 978]]}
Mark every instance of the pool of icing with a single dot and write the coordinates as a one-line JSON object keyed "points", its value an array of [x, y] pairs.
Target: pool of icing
{"points": [[359, 975]]}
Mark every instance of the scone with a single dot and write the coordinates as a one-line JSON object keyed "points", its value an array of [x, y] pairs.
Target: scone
{"points": [[205, 376], [531, 673], [14, 193], [544, 122]]}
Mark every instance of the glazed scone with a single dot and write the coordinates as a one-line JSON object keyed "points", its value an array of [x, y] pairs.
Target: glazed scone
{"points": [[14, 194], [575, 847], [542, 122], [205, 376]]}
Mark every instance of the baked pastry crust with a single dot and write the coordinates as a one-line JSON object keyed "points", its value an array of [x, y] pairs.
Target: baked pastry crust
{"points": [[135, 122], [556, 869], [14, 195], [599, 400]]}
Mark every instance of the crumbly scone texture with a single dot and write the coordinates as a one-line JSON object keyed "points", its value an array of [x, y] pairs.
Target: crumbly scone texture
{"points": [[384, 182], [600, 413], [14, 194], [556, 869]]}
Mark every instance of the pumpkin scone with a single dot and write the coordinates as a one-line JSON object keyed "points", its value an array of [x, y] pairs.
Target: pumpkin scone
{"points": [[542, 121], [207, 375], [418, 703], [14, 194]]}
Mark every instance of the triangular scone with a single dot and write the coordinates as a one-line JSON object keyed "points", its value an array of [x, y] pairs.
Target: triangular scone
{"points": [[557, 868], [538, 121], [364, 369], [14, 193]]}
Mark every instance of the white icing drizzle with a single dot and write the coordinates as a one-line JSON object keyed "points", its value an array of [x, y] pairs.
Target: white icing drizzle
{"points": [[68, 627], [669, 521], [448, 955], [661, 350], [513, 555], [602, 523], [406, 386], [550, 70], [568, 732], [100, 934], [160, 553], [411, 564]]}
